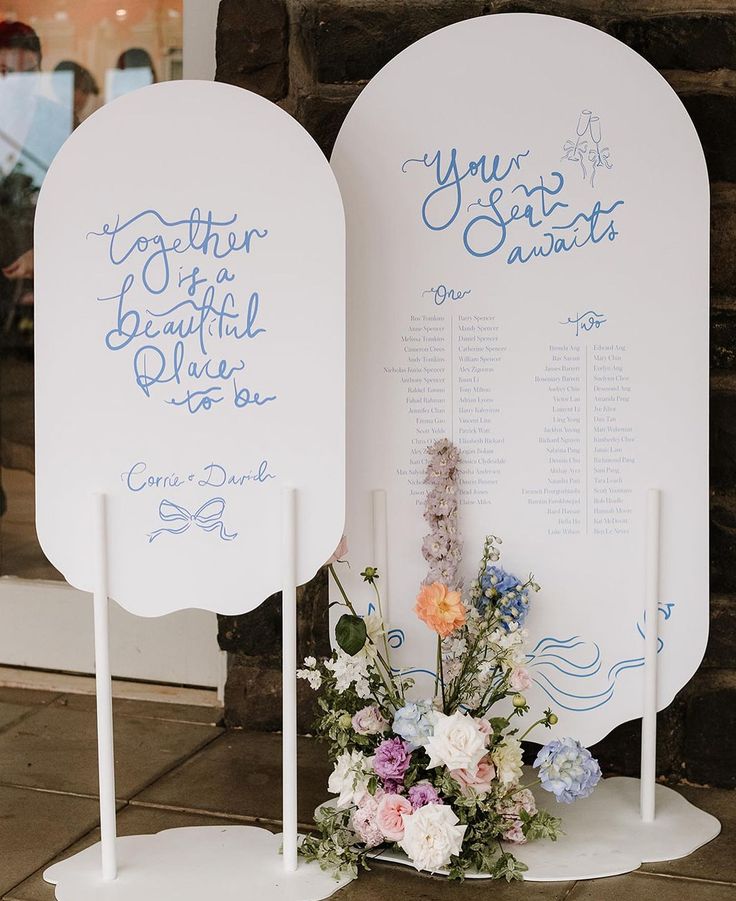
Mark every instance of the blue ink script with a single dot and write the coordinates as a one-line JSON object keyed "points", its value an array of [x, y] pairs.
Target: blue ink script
{"points": [[177, 312], [496, 207]]}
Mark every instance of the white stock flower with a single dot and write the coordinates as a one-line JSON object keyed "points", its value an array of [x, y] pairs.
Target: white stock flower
{"points": [[350, 670], [507, 760], [313, 676], [432, 836], [456, 742], [310, 673], [349, 778]]}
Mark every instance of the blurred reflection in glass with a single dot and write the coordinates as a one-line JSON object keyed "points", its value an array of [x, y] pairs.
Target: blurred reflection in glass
{"points": [[86, 91], [134, 69]]}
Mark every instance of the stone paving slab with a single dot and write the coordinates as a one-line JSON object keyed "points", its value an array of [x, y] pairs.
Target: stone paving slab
{"points": [[56, 748], [645, 887], [402, 884], [35, 825], [157, 710], [10, 713], [240, 774], [27, 696]]}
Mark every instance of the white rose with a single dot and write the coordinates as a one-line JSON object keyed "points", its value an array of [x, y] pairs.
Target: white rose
{"points": [[432, 836], [349, 779], [456, 743], [507, 759]]}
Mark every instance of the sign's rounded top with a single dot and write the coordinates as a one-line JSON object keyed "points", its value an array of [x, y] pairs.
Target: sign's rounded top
{"points": [[189, 331]]}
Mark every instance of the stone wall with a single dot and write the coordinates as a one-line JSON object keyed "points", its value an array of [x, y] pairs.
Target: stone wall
{"points": [[313, 57]]}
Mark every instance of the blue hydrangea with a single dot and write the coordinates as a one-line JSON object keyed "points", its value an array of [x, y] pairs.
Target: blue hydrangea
{"points": [[413, 723], [567, 769], [506, 596]]}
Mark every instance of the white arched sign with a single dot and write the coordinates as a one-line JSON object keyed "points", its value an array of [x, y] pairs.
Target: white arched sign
{"points": [[189, 333], [527, 213]]}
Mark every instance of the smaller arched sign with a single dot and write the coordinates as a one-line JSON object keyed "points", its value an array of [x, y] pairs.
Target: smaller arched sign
{"points": [[189, 332]]}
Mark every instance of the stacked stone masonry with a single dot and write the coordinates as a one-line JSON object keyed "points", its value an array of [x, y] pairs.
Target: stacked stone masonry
{"points": [[313, 57]]}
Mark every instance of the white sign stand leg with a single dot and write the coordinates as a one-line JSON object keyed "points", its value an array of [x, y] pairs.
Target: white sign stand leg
{"points": [[288, 665], [103, 687], [651, 639], [190, 863]]}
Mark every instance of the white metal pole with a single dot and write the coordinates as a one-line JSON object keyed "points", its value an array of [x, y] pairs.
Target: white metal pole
{"points": [[649, 717], [380, 546], [288, 620], [105, 751]]}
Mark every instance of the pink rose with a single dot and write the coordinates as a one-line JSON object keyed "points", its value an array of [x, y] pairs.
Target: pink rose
{"points": [[389, 816], [341, 551], [484, 727], [520, 679], [479, 784]]}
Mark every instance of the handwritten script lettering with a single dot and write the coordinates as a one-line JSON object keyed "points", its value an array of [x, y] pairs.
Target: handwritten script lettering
{"points": [[176, 310], [496, 209]]}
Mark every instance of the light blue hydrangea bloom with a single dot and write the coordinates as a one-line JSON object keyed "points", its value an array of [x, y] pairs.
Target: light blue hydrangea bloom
{"points": [[413, 723], [567, 769], [507, 596]]}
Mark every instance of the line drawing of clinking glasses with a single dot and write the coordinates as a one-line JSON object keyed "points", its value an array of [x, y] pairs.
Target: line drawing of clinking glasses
{"points": [[576, 151]]}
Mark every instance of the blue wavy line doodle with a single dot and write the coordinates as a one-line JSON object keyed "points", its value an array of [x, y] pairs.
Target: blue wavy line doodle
{"points": [[550, 669], [208, 517], [553, 660], [396, 639]]}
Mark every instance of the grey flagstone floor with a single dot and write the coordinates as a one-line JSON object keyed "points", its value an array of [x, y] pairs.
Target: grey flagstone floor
{"points": [[177, 767]]}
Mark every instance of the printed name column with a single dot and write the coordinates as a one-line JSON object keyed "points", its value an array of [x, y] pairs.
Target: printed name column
{"points": [[612, 440], [423, 376], [559, 491], [479, 351]]}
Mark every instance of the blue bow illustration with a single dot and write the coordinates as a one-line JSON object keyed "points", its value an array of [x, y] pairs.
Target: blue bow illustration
{"points": [[208, 517]]}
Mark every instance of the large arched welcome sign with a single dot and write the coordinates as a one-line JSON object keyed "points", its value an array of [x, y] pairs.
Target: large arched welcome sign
{"points": [[189, 331], [527, 211]]}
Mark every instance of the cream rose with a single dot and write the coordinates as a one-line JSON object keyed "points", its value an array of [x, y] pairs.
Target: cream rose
{"points": [[457, 742], [507, 759], [432, 836]]}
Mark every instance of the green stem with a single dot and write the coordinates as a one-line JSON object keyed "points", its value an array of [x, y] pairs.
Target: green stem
{"points": [[538, 723], [522, 787], [342, 590], [391, 688], [441, 672], [383, 623]]}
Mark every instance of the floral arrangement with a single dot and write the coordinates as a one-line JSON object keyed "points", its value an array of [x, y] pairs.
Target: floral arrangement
{"points": [[439, 778]]}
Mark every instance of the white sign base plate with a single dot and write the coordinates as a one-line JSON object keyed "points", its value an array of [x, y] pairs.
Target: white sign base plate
{"points": [[191, 863], [603, 835]]}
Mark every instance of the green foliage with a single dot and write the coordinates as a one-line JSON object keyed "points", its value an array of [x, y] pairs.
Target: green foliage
{"points": [[350, 634]]}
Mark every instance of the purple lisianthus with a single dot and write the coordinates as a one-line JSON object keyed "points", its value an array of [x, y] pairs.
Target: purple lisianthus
{"points": [[423, 793], [567, 769], [391, 760]]}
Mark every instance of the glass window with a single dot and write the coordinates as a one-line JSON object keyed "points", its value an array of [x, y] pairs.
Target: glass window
{"points": [[59, 61]]}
